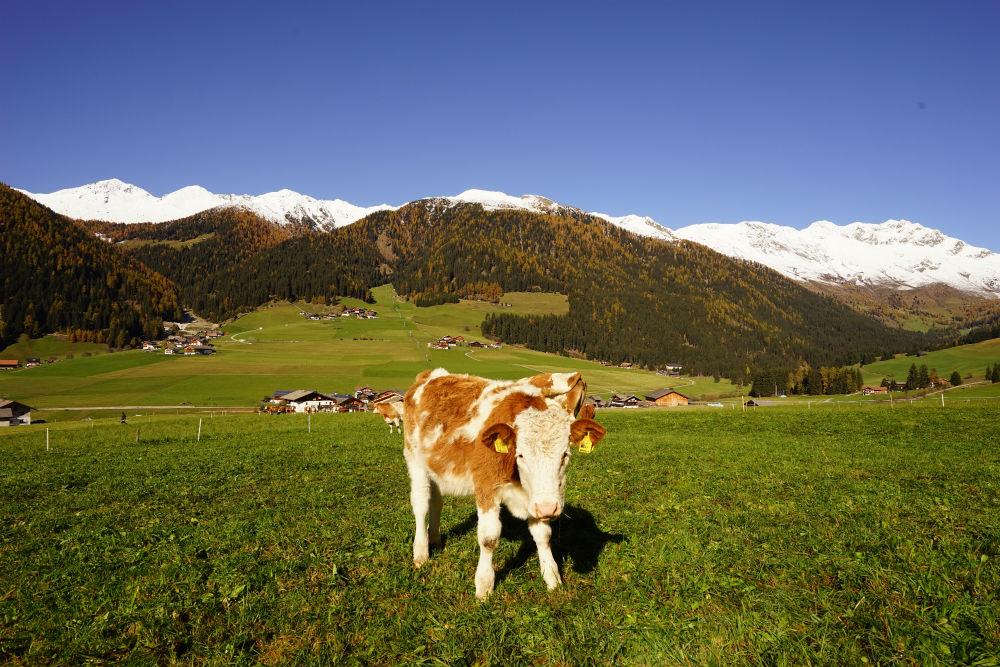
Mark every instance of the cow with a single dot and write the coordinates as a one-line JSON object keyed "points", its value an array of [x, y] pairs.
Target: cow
{"points": [[392, 413], [504, 442]]}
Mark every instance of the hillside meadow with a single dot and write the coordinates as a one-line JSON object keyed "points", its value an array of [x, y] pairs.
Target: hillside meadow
{"points": [[276, 348], [836, 536], [966, 359]]}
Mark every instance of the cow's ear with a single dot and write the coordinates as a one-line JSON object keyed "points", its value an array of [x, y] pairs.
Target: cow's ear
{"points": [[499, 437], [585, 433], [587, 411]]}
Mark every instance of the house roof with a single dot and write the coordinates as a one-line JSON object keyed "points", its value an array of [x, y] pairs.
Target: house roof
{"points": [[303, 394], [6, 413], [8, 362], [664, 392]]}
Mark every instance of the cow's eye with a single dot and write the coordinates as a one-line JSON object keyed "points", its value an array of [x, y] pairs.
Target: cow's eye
{"points": [[520, 457]]}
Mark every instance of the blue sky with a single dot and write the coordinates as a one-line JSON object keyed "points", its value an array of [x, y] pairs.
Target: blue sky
{"points": [[688, 112]]}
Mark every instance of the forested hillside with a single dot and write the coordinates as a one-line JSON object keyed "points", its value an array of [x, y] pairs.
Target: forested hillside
{"points": [[55, 276], [631, 298]]}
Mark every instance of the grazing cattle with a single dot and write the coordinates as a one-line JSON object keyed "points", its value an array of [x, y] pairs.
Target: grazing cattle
{"points": [[504, 442], [392, 413]]}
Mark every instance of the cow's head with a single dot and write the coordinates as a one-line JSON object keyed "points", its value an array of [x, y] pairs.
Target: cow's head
{"points": [[535, 430]]}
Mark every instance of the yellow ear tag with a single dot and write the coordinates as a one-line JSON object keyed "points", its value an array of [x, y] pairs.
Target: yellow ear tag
{"points": [[500, 446], [586, 444]]}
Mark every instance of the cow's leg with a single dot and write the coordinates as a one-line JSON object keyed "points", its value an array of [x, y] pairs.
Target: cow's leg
{"points": [[489, 535], [542, 532], [435, 516], [420, 497]]}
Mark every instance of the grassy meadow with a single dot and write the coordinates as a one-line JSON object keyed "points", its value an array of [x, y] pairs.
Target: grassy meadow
{"points": [[837, 536], [965, 359], [276, 348]]}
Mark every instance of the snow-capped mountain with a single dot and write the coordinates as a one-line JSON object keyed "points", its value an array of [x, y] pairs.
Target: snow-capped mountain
{"points": [[115, 201], [895, 253]]}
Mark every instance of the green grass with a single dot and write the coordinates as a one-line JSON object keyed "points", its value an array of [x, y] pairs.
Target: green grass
{"points": [[698, 537], [276, 348], [50, 346], [965, 359]]}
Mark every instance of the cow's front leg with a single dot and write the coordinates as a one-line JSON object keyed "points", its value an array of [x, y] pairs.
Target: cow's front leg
{"points": [[542, 532], [489, 535]]}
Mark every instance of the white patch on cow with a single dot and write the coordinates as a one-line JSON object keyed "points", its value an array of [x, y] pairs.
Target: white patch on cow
{"points": [[543, 456], [561, 382], [455, 485]]}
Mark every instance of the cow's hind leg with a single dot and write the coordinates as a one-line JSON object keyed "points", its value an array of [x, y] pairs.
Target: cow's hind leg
{"points": [[489, 534], [435, 516], [420, 497], [542, 533]]}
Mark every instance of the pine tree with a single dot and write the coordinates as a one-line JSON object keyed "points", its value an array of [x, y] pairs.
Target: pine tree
{"points": [[956, 378], [911, 377], [923, 378]]}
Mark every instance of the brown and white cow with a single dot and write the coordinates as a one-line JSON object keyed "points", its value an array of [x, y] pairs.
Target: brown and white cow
{"points": [[505, 442], [392, 413]]}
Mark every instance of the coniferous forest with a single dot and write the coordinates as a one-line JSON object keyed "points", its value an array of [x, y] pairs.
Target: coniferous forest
{"points": [[632, 298], [56, 276]]}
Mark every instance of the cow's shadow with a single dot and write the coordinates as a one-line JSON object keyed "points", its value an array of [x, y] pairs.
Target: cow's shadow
{"points": [[577, 540]]}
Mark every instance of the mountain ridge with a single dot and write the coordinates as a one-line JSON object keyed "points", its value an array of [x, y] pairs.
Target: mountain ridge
{"points": [[895, 253]]}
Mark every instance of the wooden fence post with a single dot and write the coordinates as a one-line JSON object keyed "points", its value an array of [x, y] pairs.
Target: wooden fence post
{"points": [[199, 429], [46, 438]]}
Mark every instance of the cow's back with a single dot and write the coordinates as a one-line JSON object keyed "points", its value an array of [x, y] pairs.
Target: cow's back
{"points": [[439, 403]]}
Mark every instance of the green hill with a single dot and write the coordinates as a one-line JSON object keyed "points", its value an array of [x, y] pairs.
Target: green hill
{"points": [[631, 298], [966, 359], [54, 276], [275, 347]]}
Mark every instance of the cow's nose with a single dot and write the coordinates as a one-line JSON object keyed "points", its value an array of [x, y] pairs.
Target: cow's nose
{"points": [[545, 510]]}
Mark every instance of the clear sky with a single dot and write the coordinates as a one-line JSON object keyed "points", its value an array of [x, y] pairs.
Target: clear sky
{"points": [[688, 112]]}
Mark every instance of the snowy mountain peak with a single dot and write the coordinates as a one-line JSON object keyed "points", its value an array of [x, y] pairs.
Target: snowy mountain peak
{"points": [[117, 201], [898, 253]]}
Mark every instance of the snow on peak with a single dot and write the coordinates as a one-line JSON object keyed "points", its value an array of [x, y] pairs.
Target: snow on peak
{"points": [[492, 200], [639, 224], [896, 253], [116, 201]]}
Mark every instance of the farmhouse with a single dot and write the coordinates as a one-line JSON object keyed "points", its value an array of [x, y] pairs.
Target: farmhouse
{"points": [[13, 413], [307, 400], [8, 364], [596, 401], [149, 346], [349, 403], [620, 401], [868, 391], [668, 397], [751, 403], [31, 362]]}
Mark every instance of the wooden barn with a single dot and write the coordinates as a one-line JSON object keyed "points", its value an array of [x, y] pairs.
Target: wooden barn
{"points": [[668, 398]]}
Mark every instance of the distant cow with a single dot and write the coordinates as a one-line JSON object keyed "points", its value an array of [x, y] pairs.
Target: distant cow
{"points": [[392, 413], [505, 442]]}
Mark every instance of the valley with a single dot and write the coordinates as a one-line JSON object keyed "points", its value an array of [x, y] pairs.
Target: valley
{"points": [[276, 348]]}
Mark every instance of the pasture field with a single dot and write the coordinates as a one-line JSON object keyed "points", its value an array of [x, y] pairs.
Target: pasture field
{"points": [[964, 358], [276, 348], [50, 346], [780, 536]]}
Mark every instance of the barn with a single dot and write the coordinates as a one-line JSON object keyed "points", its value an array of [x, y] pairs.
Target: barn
{"points": [[668, 398], [13, 413]]}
